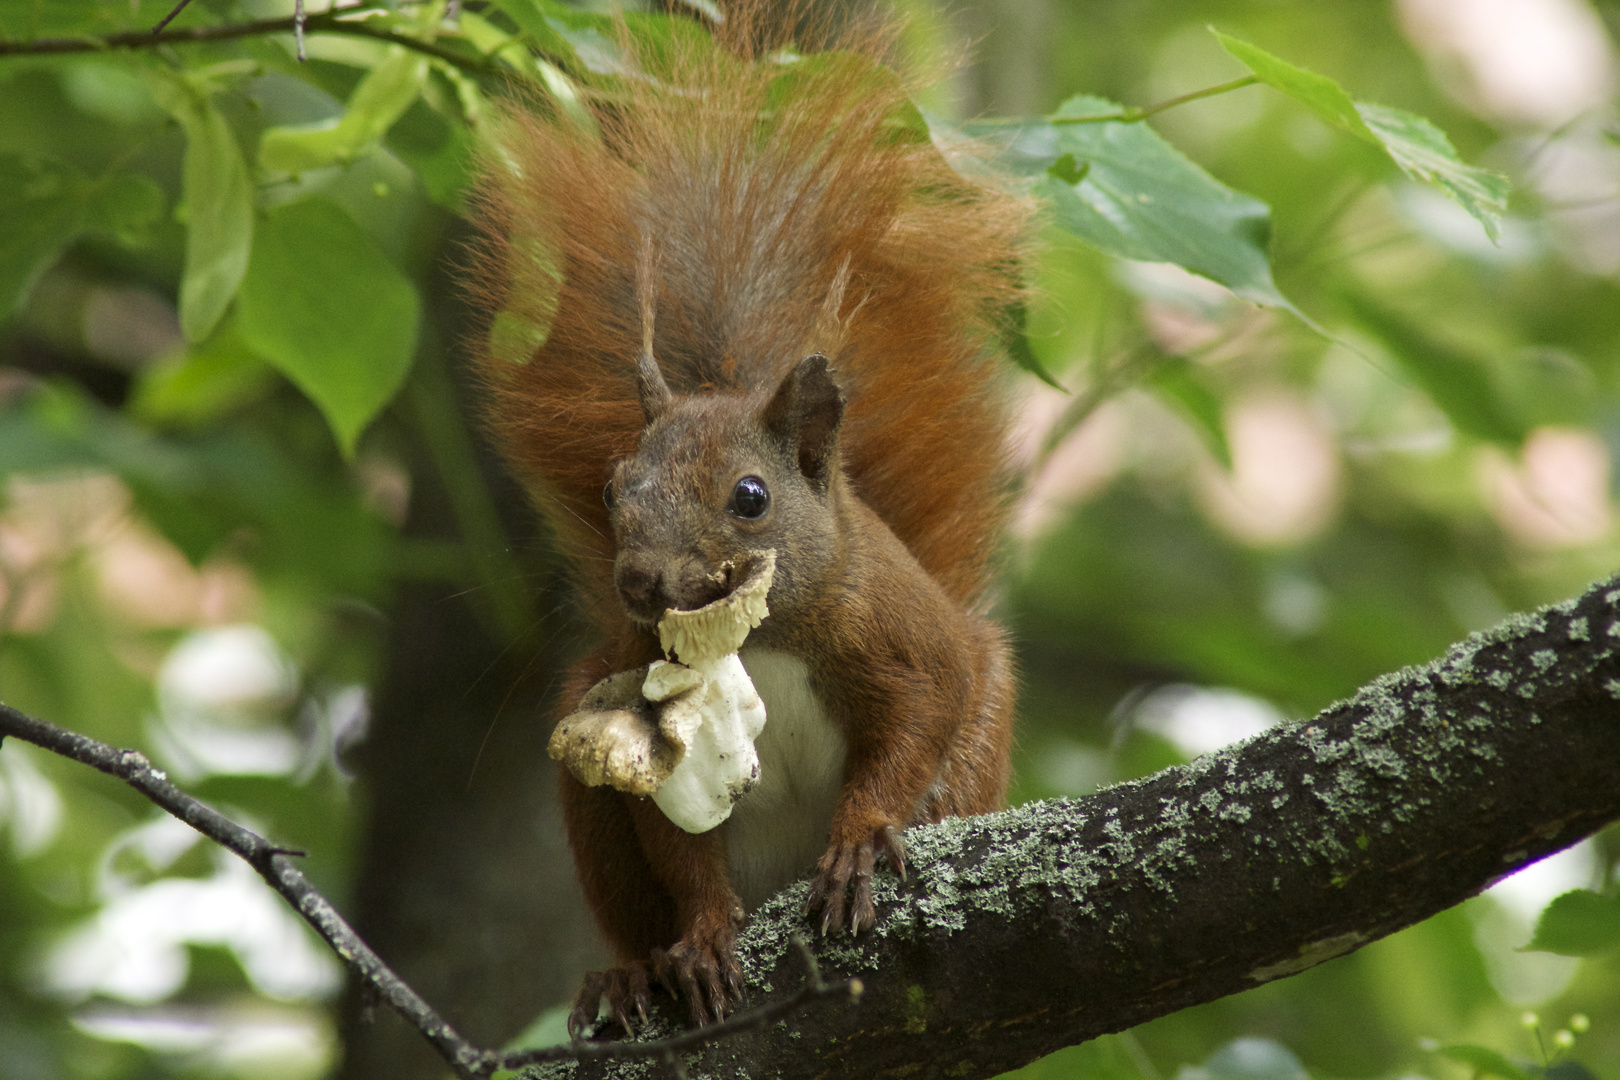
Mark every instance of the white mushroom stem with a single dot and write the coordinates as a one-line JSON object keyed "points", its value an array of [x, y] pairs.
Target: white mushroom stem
{"points": [[715, 723]]}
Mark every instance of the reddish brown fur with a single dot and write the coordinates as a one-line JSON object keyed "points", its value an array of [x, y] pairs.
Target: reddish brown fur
{"points": [[750, 236], [753, 229]]}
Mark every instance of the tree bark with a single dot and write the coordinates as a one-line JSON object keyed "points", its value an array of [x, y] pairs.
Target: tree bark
{"points": [[1041, 927], [463, 880]]}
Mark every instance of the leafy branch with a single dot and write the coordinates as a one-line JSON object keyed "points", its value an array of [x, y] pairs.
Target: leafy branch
{"points": [[337, 21], [271, 862]]}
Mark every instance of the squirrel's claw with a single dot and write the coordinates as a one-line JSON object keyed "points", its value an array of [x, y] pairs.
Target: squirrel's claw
{"points": [[892, 848], [664, 972], [624, 988], [709, 978], [847, 864]]}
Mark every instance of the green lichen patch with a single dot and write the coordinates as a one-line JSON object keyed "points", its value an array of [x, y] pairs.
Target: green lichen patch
{"points": [[916, 1011]]}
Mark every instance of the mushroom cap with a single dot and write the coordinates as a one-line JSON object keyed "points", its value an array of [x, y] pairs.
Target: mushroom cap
{"points": [[715, 629]]}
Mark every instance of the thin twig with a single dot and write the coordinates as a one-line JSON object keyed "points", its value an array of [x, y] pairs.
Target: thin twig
{"points": [[1134, 115], [1130, 369], [814, 989], [378, 980], [270, 861], [300, 20], [343, 21], [169, 18]]}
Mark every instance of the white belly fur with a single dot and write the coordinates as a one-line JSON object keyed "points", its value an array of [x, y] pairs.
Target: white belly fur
{"points": [[779, 829]]}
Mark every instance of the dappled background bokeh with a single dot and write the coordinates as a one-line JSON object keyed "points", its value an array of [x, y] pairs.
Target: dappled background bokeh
{"points": [[1229, 519]]}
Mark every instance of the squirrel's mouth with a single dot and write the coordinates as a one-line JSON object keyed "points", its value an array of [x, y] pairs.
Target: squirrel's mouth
{"points": [[649, 596], [720, 626]]}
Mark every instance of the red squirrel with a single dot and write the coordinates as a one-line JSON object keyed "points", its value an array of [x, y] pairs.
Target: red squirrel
{"points": [[803, 362]]}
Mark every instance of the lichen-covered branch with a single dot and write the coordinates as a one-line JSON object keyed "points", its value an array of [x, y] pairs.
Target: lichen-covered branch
{"points": [[1041, 927], [1056, 922]]}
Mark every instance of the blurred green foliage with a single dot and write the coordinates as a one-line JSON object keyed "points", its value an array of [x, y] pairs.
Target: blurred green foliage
{"points": [[1333, 396]]}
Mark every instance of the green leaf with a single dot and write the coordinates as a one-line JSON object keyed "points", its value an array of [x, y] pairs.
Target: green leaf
{"points": [[1420, 149], [658, 39], [550, 1028], [1019, 352], [49, 203], [808, 76], [218, 200], [44, 203], [1179, 383], [381, 98], [484, 35], [1484, 1061], [439, 150], [1065, 169], [1424, 153], [1125, 191], [1578, 923], [203, 489], [1458, 383], [565, 34], [125, 206], [326, 307], [589, 42], [1316, 92], [211, 379]]}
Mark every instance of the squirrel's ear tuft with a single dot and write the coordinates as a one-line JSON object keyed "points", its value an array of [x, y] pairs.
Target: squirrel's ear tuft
{"points": [[651, 388], [805, 413], [650, 385]]}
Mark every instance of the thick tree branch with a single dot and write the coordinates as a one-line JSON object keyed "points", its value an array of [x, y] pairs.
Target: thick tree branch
{"points": [[1053, 923], [1057, 922]]}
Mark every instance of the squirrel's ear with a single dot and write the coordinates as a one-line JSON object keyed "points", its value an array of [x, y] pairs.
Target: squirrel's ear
{"points": [[805, 412], [651, 387]]}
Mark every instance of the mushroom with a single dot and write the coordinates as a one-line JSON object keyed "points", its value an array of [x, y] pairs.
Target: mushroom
{"points": [[682, 732]]}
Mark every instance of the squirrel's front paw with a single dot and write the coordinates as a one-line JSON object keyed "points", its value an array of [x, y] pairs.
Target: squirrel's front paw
{"points": [[624, 988], [847, 861]]}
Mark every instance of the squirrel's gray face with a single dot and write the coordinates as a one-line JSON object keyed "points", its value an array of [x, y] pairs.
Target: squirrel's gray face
{"points": [[717, 477]]}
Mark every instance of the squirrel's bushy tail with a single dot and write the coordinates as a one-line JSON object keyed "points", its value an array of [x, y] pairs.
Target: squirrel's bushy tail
{"points": [[762, 178]]}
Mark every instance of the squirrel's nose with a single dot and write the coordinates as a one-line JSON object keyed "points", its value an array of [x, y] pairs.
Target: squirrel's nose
{"points": [[641, 586]]}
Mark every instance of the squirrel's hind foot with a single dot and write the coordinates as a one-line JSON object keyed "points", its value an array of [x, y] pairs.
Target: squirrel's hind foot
{"points": [[624, 988], [706, 974], [848, 862]]}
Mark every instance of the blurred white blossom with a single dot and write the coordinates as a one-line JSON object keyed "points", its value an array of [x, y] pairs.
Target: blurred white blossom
{"points": [[30, 806], [1538, 62], [222, 695], [134, 948]]}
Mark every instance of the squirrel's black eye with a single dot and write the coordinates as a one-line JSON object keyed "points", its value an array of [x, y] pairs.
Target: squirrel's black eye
{"points": [[607, 495], [749, 499]]}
